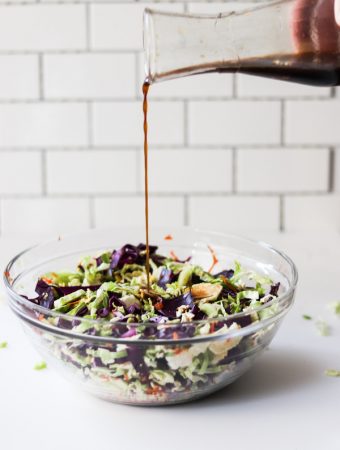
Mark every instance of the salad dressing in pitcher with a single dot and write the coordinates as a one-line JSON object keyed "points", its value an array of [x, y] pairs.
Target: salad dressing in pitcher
{"points": [[292, 40]]}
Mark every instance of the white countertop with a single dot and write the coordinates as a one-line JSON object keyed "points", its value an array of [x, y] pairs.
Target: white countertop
{"points": [[284, 403]]}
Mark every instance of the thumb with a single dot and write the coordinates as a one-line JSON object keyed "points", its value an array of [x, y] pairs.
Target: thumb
{"points": [[337, 11]]}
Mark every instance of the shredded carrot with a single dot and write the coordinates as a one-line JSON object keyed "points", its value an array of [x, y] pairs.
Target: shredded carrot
{"points": [[174, 256], [158, 305], [168, 237], [178, 350], [126, 377], [212, 327], [214, 257], [47, 280], [41, 317], [154, 390], [175, 335]]}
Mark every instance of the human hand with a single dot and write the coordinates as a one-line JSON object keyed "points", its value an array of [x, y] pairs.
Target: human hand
{"points": [[315, 26]]}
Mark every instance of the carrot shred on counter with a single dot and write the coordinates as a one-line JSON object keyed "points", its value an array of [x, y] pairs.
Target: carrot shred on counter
{"points": [[214, 257], [8, 276], [174, 256], [168, 237]]}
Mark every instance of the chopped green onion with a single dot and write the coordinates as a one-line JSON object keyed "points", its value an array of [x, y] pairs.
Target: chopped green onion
{"points": [[307, 317], [332, 373], [3, 344], [40, 366]]}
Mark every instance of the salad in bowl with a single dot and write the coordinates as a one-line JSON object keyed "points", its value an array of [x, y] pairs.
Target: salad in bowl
{"points": [[207, 308]]}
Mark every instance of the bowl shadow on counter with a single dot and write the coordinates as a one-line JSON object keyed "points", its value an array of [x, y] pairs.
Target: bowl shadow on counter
{"points": [[276, 371]]}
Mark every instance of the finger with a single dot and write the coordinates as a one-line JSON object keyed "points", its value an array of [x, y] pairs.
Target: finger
{"points": [[301, 14], [337, 11], [324, 30], [314, 27]]}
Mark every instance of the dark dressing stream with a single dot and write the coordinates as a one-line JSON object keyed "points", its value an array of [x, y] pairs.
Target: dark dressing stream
{"points": [[146, 180], [306, 69]]}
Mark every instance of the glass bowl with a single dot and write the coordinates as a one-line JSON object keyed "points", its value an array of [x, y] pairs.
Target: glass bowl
{"points": [[167, 363]]}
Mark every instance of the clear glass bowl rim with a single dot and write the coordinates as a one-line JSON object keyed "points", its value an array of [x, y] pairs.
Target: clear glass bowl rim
{"points": [[289, 293]]}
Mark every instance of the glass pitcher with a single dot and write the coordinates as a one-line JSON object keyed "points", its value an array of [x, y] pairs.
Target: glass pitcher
{"points": [[296, 40]]}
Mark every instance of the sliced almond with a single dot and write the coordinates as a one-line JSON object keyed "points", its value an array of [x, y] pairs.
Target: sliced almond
{"points": [[207, 291]]}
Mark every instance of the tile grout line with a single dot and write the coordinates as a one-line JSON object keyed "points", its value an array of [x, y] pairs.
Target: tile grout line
{"points": [[88, 26], [138, 158], [331, 170], [234, 86], [186, 209], [180, 194], [43, 174], [1, 216], [185, 123], [91, 212], [138, 87], [282, 213], [234, 170], [160, 148], [41, 76], [89, 122], [160, 100], [282, 123]]}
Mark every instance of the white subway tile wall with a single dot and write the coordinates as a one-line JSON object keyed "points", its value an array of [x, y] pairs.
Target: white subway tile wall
{"points": [[20, 172], [91, 172], [120, 123], [42, 27], [120, 26], [44, 215], [87, 76], [234, 122], [184, 170], [227, 152], [27, 125], [246, 214], [18, 77], [283, 170], [312, 213], [129, 211]]}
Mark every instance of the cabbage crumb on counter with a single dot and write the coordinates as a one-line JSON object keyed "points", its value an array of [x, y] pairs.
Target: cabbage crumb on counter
{"points": [[113, 286], [40, 366], [332, 373]]}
